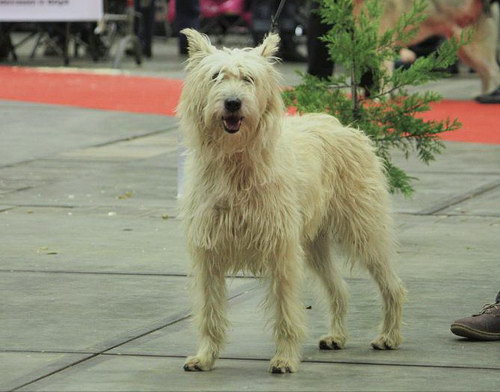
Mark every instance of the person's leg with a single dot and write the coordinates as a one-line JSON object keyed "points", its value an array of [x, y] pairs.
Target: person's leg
{"points": [[262, 11], [5, 42], [145, 24], [148, 16], [187, 15], [318, 60], [286, 27], [480, 54]]}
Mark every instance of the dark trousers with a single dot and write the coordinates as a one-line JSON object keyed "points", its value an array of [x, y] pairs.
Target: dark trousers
{"points": [[187, 14], [263, 11], [5, 42], [319, 63], [318, 59], [144, 29], [262, 14]]}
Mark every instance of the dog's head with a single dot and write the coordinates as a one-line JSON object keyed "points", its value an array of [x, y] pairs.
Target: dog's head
{"points": [[229, 93]]}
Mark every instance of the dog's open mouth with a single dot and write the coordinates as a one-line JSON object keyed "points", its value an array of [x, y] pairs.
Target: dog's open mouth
{"points": [[232, 123]]}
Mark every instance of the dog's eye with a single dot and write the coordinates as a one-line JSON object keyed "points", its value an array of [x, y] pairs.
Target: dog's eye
{"points": [[248, 79], [215, 75]]}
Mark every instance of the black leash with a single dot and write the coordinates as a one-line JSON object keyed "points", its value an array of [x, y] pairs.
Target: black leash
{"points": [[276, 16]]}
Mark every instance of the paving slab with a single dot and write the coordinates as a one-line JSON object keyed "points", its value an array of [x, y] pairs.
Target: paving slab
{"points": [[137, 183], [86, 312], [40, 134], [126, 373], [437, 190], [487, 204], [73, 183], [138, 148], [457, 157], [17, 368], [146, 241], [118, 169], [138, 172], [450, 247], [13, 179], [428, 341], [104, 240], [461, 171]]}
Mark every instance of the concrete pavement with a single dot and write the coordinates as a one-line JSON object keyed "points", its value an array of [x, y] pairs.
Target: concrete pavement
{"points": [[93, 266]]}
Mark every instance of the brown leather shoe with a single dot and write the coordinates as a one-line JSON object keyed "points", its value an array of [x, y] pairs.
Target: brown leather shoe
{"points": [[482, 326]]}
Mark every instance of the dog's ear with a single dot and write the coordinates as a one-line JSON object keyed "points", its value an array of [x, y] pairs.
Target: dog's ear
{"points": [[269, 46], [198, 44]]}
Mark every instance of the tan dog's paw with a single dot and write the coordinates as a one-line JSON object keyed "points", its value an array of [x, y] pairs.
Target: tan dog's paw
{"points": [[197, 364], [387, 342], [281, 365], [332, 342]]}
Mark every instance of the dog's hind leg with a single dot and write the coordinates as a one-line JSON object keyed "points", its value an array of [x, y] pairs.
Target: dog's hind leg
{"points": [[393, 295], [318, 259], [368, 238], [288, 315], [209, 313], [375, 249]]}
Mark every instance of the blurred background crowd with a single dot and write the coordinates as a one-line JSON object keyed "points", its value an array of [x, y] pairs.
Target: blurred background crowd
{"points": [[298, 27]]}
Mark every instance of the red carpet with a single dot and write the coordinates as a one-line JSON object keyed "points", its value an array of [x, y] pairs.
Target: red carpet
{"points": [[480, 122], [91, 90], [160, 96]]}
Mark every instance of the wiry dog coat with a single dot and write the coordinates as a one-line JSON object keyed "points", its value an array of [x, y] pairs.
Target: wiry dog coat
{"points": [[269, 194]]}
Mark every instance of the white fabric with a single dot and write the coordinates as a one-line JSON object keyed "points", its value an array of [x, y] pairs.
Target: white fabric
{"points": [[50, 10]]}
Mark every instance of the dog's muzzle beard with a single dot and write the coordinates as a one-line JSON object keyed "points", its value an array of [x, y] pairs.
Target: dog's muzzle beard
{"points": [[232, 122]]}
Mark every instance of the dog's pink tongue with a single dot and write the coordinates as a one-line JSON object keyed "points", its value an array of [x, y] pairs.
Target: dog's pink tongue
{"points": [[232, 123]]}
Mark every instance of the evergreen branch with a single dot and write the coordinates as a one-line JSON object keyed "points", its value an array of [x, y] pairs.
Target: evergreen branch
{"points": [[390, 117]]}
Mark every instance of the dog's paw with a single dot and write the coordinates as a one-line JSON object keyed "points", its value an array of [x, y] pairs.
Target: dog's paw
{"points": [[387, 342], [332, 343], [197, 364], [281, 365]]}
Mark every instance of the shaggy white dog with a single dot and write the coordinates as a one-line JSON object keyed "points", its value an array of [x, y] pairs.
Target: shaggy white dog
{"points": [[267, 194]]}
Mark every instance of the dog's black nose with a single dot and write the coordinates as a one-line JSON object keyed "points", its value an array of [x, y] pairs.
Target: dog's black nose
{"points": [[232, 104]]}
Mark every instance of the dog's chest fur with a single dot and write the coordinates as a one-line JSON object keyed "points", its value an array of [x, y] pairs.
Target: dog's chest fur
{"points": [[234, 212]]}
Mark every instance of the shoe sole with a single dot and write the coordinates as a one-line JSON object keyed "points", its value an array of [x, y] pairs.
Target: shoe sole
{"points": [[488, 101], [471, 333]]}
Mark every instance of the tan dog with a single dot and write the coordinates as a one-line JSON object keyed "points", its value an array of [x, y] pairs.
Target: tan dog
{"points": [[449, 18], [269, 194]]}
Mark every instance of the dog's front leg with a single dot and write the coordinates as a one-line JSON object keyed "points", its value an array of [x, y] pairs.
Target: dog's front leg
{"points": [[209, 311], [288, 312]]}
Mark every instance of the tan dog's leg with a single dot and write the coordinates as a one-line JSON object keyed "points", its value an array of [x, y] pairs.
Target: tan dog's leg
{"points": [[367, 235], [480, 54], [210, 309], [318, 257], [288, 311], [393, 295]]}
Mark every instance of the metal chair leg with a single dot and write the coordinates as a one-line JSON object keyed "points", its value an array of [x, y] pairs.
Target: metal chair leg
{"points": [[37, 43], [66, 44]]}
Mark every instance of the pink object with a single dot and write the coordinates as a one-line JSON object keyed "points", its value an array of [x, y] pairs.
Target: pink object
{"points": [[215, 8]]}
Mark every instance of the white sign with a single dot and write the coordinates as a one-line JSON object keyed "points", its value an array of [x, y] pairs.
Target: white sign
{"points": [[50, 10]]}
